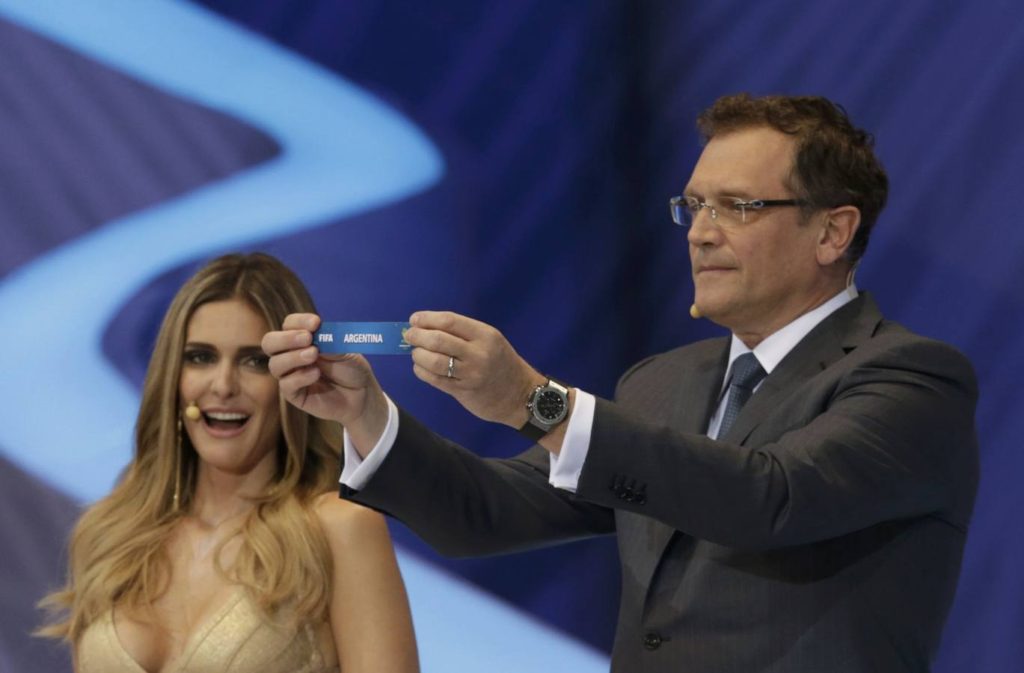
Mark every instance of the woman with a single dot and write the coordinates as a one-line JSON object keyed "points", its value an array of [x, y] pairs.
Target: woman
{"points": [[225, 547]]}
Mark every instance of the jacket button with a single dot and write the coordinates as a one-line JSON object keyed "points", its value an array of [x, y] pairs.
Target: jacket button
{"points": [[652, 641]]}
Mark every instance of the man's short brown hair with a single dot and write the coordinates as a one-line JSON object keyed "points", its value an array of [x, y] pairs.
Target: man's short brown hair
{"points": [[835, 163]]}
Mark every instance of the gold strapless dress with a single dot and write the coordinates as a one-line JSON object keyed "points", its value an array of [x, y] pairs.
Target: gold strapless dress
{"points": [[235, 639]]}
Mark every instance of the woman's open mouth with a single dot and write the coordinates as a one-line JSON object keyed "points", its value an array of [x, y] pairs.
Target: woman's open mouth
{"points": [[225, 423]]}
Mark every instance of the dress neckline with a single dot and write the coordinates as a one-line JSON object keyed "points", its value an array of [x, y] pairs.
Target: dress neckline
{"points": [[192, 642]]}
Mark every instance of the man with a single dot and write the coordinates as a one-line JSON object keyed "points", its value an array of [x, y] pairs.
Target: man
{"points": [[794, 497]]}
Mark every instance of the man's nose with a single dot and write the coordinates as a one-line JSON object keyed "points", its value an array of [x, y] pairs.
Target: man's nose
{"points": [[703, 231]]}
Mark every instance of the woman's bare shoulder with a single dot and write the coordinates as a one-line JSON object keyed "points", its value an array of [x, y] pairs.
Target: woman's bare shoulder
{"points": [[344, 520]]}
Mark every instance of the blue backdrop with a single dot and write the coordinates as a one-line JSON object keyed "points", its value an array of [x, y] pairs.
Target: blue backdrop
{"points": [[507, 160]]}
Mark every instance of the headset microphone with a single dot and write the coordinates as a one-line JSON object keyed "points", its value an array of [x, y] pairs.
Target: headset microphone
{"points": [[695, 312]]}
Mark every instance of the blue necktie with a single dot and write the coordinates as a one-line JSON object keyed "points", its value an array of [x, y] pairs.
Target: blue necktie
{"points": [[746, 374]]}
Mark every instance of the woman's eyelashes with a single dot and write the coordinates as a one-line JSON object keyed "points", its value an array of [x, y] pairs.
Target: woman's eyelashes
{"points": [[259, 362], [200, 356], [252, 359]]}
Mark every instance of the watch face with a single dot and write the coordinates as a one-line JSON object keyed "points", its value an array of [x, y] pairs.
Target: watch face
{"points": [[550, 406]]}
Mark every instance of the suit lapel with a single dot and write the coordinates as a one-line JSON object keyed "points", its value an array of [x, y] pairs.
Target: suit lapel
{"points": [[837, 335], [702, 383]]}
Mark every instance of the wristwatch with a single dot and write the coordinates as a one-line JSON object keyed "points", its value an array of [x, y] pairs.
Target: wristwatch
{"points": [[548, 406]]}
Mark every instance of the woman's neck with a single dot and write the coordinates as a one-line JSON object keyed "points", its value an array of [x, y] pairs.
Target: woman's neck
{"points": [[221, 497]]}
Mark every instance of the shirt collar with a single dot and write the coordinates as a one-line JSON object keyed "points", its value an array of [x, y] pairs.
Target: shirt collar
{"points": [[776, 346]]}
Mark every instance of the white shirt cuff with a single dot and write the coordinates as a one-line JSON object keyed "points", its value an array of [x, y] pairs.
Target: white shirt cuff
{"points": [[358, 470], [567, 466]]}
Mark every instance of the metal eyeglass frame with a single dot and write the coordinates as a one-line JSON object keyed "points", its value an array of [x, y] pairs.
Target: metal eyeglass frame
{"points": [[684, 209]]}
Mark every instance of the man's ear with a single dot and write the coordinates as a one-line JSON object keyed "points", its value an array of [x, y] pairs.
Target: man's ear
{"points": [[837, 233]]}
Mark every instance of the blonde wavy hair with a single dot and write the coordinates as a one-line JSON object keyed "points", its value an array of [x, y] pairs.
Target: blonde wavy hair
{"points": [[117, 553]]}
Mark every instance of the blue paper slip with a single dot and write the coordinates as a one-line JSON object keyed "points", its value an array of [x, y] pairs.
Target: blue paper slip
{"points": [[371, 338]]}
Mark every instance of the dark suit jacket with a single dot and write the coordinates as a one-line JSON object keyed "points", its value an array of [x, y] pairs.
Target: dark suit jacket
{"points": [[823, 533]]}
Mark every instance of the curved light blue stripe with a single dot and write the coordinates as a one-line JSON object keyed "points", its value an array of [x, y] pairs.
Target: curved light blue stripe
{"points": [[342, 152]]}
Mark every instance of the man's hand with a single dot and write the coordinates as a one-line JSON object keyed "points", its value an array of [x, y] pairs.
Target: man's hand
{"points": [[341, 388], [489, 378]]}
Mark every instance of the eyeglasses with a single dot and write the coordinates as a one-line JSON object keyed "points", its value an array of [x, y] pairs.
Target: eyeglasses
{"points": [[732, 210]]}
